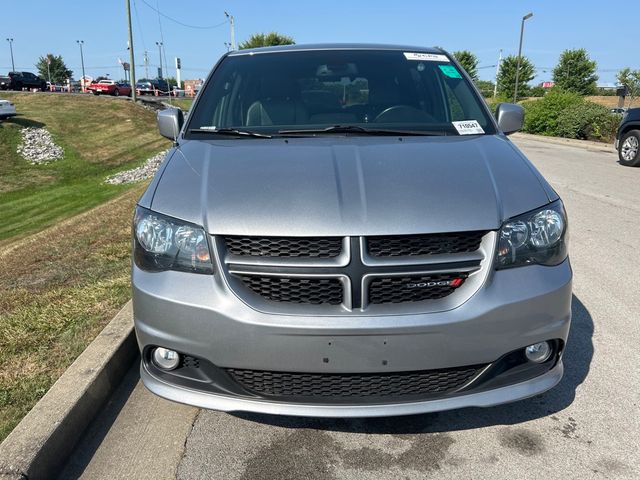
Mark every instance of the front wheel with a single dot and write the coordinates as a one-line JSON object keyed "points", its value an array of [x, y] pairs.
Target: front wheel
{"points": [[629, 149], [116, 93]]}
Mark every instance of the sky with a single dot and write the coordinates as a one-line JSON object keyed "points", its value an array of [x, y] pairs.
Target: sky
{"points": [[483, 27]]}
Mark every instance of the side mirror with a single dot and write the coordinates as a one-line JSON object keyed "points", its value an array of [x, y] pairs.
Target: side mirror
{"points": [[510, 117], [170, 122]]}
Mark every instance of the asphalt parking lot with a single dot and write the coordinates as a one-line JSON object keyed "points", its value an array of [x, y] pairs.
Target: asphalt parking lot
{"points": [[586, 427]]}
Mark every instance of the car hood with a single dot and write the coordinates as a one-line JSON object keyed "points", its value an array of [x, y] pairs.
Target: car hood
{"points": [[338, 186]]}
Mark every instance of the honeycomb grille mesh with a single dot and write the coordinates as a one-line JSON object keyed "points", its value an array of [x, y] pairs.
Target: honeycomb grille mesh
{"points": [[314, 291], [310, 385], [312, 247], [432, 244], [413, 289]]}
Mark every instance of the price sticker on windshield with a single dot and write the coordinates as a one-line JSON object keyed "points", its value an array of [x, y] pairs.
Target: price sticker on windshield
{"points": [[430, 57], [468, 127]]}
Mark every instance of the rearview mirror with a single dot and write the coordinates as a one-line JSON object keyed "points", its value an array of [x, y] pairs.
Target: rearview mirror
{"points": [[170, 122], [510, 117]]}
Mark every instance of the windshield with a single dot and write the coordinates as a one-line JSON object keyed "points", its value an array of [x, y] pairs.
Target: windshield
{"points": [[312, 90]]}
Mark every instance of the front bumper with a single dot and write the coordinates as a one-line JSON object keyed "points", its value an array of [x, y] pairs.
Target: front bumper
{"points": [[200, 316], [498, 396]]}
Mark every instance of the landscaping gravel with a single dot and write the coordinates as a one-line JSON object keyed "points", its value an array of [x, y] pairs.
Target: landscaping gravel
{"points": [[38, 147], [141, 173]]}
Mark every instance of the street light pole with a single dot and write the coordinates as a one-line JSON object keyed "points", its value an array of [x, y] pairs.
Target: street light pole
{"points": [[159, 44], [81, 42], [132, 72], [495, 85], [515, 91], [13, 66], [232, 25]]}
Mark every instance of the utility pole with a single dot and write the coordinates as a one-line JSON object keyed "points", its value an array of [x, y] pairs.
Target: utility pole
{"points": [[232, 25], [495, 85], [515, 91], [146, 64], [131, 56], [13, 66], [49, 68], [159, 44], [81, 42]]}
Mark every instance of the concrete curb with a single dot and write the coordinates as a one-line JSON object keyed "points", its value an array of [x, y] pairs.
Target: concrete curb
{"points": [[568, 142], [42, 442]]}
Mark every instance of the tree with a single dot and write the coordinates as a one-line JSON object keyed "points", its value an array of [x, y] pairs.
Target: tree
{"points": [[575, 72], [266, 40], [59, 71], [469, 62], [507, 76], [631, 80], [485, 87]]}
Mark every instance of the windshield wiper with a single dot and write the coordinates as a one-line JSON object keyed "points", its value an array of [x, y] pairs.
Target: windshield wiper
{"points": [[360, 130], [229, 131]]}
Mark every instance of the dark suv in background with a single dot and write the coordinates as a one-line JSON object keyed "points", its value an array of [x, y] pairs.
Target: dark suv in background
{"points": [[157, 86], [628, 139], [19, 80]]}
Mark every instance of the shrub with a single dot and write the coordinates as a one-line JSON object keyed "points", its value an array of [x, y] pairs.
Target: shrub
{"points": [[537, 91], [541, 116], [588, 121], [492, 103]]}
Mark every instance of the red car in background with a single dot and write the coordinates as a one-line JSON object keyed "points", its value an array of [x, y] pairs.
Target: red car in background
{"points": [[110, 87]]}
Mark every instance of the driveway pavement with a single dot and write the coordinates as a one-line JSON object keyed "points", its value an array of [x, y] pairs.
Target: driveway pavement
{"points": [[586, 427]]}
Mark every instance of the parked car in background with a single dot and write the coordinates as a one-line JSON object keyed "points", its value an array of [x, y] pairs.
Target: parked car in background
{"points": [[20, 80], [110, 87], [628, 138], [347, 231], [55, 88], [157, 86], [7, 109], [5, 82]]}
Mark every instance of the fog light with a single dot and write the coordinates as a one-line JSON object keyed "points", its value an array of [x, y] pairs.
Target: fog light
{"points": [[166, 359], [538, 352]]}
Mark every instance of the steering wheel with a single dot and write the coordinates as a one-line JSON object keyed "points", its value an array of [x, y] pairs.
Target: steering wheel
{"points": [[403, 113]]}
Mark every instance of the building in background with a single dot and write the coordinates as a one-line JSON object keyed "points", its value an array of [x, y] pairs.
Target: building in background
{"points": [[192, 87]]}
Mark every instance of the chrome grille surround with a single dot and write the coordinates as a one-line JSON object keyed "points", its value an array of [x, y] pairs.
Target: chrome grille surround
{"points": [[356, 269]]}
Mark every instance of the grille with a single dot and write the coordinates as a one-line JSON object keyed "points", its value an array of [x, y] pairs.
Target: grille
{"points": [[283, 384], [313, 291], [432, 244], [314, 247], [413, 289]]}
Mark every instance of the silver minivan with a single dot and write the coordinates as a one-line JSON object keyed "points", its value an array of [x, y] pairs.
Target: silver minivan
{"points": [[348, 231]]}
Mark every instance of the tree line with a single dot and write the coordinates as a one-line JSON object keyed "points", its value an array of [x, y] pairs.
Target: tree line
{"points": [[575, 71]]}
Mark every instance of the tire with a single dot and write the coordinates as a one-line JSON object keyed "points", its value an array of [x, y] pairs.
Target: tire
{"points": [[629, 149], [43, 87], [95, 92], [116, 93], [17, 87]]}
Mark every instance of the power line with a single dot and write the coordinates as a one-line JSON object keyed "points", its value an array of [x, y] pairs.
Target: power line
{"points": [[200, 27], [135, 7]]}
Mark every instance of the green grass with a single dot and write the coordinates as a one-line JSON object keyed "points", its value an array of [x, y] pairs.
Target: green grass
{"points": [[64, 237], [182, 103], [58, 288], [100, 136]]}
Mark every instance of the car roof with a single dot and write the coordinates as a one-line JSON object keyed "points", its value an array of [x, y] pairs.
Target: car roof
{"points": [[336, 46]]}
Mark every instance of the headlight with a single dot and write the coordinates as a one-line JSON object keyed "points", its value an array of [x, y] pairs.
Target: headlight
{"points": [[537, 237], [165, 243]]}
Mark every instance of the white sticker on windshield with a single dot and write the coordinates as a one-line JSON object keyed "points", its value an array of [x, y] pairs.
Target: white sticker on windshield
{"points": [[468, 127], [432, 57]]}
